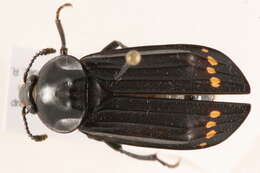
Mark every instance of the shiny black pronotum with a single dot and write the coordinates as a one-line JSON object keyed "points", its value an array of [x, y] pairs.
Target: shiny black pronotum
{"points": [[149, 96]]}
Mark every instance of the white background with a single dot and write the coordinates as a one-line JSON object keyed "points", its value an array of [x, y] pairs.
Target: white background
{"points": [[232, 27]]}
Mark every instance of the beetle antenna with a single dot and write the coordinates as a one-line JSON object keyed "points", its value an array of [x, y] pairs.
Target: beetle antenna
{"points": [[36, 138], [42, 52], [63, 49]]}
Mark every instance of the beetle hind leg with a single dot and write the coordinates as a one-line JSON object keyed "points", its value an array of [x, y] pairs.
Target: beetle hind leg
{"points": [[113, 45], [150, 157]]}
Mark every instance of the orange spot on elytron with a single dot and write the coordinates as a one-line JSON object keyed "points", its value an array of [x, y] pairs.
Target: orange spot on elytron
{"points": [[215, 85], [215, 82], [214, 114], [211, 70], [203, 144], [212, 61], [211, 133], [204, 50], [211, 124]]}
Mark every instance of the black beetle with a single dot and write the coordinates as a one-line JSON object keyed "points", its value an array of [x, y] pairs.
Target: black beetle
{"points": [[149, 96]]}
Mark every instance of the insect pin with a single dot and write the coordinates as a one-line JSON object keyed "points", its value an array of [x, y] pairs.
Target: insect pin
{"points": [[158, 96]]}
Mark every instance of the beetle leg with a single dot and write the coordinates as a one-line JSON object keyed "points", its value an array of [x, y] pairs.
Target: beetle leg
{"points": [[150, 157], [113, 45]]}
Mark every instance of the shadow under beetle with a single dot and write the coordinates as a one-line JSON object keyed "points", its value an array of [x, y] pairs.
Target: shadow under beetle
{"points": [[149, 96]]}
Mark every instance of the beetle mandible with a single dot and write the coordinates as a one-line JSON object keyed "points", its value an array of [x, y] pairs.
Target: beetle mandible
{"points": [[150, 96]]}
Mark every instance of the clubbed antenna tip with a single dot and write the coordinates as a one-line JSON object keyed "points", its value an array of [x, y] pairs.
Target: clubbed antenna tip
{"points": [[47, 51], [37, 138]]}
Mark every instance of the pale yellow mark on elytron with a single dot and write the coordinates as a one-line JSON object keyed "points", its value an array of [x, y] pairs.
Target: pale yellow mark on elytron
{"points": [[215, 114], [204, 50], [211, 124], [133, 57], [212, 61], [215, 82], [211, 70], [203, 144], [211, 133]]}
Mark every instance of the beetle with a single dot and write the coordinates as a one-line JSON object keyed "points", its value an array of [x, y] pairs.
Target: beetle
{"points": [[158, 96]]}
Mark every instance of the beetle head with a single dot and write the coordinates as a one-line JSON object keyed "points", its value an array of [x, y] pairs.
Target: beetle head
{"points": [[50, 94], [26, 94]]}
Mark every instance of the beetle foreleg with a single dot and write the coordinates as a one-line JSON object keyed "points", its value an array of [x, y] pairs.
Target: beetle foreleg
{"points": [[113, 45], [150, 157]]}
